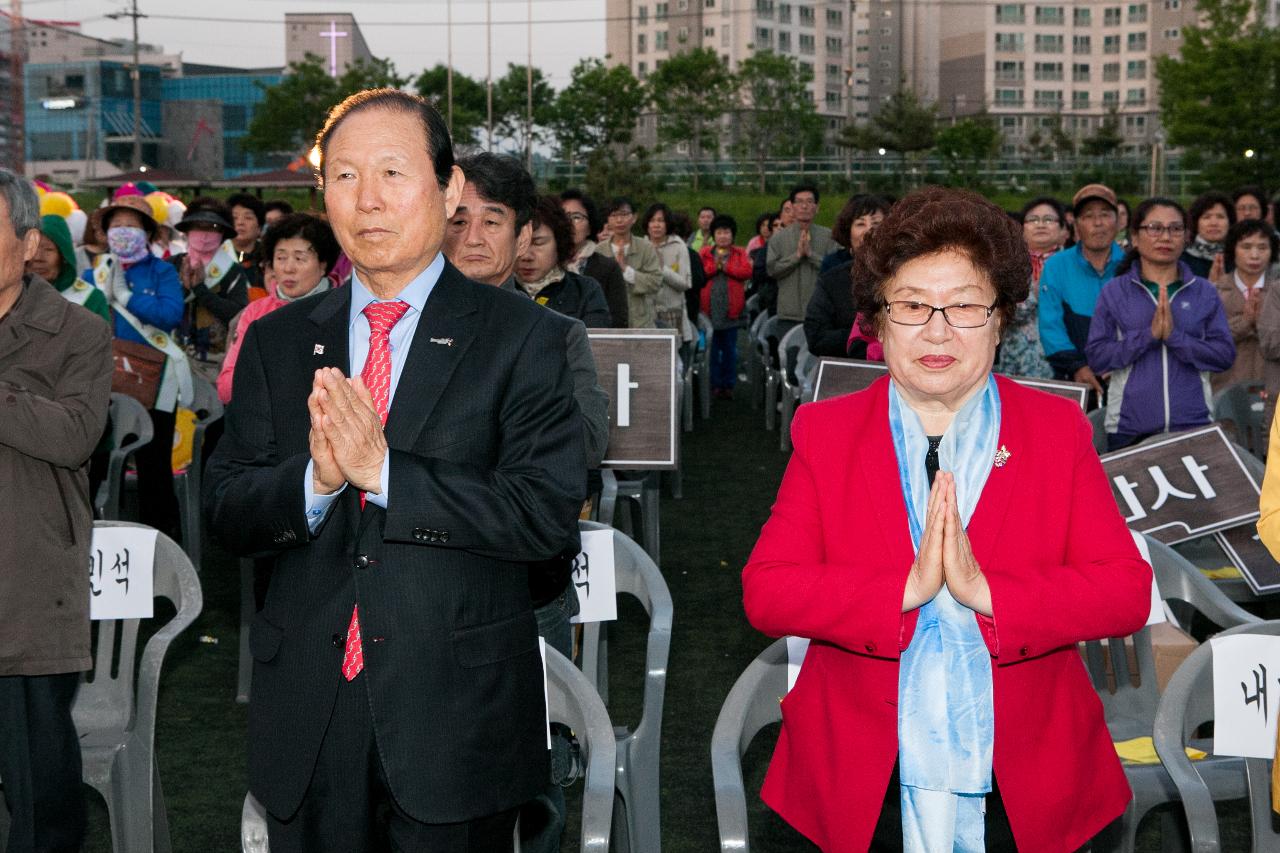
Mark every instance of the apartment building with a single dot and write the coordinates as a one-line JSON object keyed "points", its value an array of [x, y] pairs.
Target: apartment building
{"points": [[829, 38], [1035, 67]]}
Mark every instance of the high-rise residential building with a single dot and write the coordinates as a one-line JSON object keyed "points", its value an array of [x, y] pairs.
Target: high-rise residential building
{"points": [[828, 38], [1040, 67], [335, 38], [11, 95]]}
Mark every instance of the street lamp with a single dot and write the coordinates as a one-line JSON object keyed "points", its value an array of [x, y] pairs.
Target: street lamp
{"points": [[1248, 153]]}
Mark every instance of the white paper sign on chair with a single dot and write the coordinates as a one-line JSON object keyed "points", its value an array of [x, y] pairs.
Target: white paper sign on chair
{"points": [[1246, 695], [595, 578], [121, 573]]}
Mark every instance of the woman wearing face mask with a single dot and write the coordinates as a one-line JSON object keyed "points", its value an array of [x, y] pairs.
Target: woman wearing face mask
{"points": [[216, 286], [300, 251], [146, 301], [1245, 288]]}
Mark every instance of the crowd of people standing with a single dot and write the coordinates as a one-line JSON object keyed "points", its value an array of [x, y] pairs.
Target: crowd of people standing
{"points": [[1152, 309]]}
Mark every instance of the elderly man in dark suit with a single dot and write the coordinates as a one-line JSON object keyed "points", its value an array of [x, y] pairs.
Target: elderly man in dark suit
{"points": [[55, 382], [397, 689]]}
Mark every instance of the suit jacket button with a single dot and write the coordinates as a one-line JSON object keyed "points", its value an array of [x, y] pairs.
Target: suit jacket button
{"points": [[362, 561], [870, 647], [338, 641], [1024, 651], [444, 536]]}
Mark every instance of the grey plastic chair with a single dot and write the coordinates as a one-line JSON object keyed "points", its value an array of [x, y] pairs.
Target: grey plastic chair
{"points": [[1242, 408], [1097, 419], [130, 430], [768, 330], [115, 713], [1130, 707], [639, 825], [791, 350], [642, 500], [757, 357], [702, 367], [753, 703], [571, 701], [1186, 705], [207, 408], [686, 393]]}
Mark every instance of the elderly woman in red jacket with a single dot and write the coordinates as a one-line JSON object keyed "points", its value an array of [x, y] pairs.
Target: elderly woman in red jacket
{"points": [[728, 268], [942, 704]]}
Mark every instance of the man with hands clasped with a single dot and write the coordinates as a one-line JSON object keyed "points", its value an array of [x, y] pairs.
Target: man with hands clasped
{"points": [[404, 448]]}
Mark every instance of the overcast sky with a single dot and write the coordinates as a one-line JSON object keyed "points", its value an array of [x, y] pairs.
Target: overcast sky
{"points": [[412, 33]]}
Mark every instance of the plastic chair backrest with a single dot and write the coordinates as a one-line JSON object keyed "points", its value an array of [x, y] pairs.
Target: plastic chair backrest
{"points": [[110, 698], [789, 353], [1236, 403], [638, 576], [572, 700], [1179, 580], [753, 703], [130, 423], [1186, 705], [768, 329], [1097, 419], [206, 405]]}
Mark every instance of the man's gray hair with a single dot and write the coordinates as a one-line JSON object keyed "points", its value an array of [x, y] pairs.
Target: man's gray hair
{"points": [[24, 205]]}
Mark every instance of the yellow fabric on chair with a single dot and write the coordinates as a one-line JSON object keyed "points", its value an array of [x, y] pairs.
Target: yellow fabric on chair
{"points": [[1142, 750], [1226, 573], [184, 431]]}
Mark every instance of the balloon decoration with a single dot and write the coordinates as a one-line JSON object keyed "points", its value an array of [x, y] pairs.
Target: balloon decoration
{"points": [[159, 202], [57, 202]]}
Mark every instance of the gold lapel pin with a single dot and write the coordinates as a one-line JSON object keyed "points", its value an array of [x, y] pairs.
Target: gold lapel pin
{"points": [[1002, 456]]}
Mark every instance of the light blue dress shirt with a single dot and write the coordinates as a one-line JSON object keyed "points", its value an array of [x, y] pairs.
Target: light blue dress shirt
{"points": [[415, 294]]}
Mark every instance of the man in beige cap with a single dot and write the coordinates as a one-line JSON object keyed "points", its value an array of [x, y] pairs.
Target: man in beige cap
{"points": [[1072, 280]]}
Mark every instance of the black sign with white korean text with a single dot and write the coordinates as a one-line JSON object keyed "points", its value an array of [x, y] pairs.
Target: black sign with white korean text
{"points": [[638, 369], [1182, 486]]}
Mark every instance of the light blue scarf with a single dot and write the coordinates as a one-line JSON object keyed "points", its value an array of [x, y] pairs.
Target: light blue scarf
{"points": [[946, 720]]}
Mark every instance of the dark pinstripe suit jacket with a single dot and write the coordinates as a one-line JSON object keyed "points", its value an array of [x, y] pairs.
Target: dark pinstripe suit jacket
{"points": [[487, 475]]}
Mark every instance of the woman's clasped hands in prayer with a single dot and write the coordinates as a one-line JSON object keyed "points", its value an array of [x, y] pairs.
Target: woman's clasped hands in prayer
{"points": [[945, 555]]}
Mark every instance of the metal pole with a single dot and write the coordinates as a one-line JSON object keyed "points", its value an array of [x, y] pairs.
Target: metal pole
{"points": [[528, 106], [137, 93], [449, 74], [488, 72]]}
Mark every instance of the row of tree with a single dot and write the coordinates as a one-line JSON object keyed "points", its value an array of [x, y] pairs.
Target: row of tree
{"points": [[1218, 99], [591, 119]]}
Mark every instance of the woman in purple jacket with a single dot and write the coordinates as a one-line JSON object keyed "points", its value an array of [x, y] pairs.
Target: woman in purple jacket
{"points": [[1159, 330]]}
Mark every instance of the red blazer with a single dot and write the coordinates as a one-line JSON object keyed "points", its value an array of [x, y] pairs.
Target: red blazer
{"points": [[831, 564]]}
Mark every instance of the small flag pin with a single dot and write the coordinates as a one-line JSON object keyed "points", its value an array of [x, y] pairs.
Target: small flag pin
{"points": [[319, 350]]}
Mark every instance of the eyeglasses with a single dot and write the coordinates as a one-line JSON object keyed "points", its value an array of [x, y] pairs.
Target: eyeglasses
{"points": [[621, 214], [1155, 229], [577, 217], [963, 315], [1036, 220]]}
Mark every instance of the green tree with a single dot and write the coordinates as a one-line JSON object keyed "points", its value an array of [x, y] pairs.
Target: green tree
{"points": [[966, 144], [1221, 96], [690, 93], [293, 111], [776, 113], [470, 105], [597, 110], [510, 106], [1106, 140], [903, 124]]}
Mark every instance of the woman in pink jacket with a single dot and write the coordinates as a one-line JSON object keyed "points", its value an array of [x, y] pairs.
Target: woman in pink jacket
{"points": [[300, 250]]}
